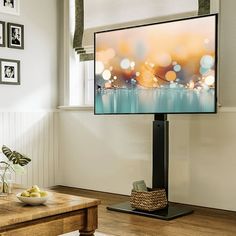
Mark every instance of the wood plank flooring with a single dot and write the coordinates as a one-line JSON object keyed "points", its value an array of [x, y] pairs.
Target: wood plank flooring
{"points": [[203, 222]]}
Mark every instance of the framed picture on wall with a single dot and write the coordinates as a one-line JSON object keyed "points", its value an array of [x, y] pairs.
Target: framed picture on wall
{"points": [[2, 34], [9, 71], [15, 37], [10, 7]]}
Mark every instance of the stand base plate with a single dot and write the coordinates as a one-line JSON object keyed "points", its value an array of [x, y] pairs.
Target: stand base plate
{"points": [[169, 213]]}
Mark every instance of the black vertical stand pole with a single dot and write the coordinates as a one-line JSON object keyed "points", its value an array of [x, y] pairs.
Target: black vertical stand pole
{"points": [[160, 174], [160, 165]]}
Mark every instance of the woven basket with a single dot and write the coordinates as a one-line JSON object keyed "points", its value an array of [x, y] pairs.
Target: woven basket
{"points": [[149, 201]]}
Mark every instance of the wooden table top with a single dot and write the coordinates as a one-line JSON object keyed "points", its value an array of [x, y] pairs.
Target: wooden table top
{"points": [[12, 211]]}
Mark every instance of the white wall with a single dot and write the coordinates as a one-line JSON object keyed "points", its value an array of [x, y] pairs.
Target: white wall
{"points": [[202, 160], [109, 153], [38, 89], [27, 117], [104, 153], [227, 52]]}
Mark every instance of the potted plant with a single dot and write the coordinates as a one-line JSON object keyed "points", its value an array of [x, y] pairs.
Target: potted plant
{"points": [[13, 161]]}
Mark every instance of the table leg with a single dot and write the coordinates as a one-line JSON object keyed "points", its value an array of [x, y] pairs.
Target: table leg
{"points": [[91, 222]]}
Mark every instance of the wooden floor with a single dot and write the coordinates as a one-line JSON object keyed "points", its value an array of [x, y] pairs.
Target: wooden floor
{"points": [[203, 222]]}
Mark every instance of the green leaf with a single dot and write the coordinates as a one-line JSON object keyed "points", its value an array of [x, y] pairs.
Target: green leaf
{"points": [[7, 152], [19, 159], [15, 157]]}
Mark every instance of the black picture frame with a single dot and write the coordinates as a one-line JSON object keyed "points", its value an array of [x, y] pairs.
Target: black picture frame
{"points": [[15, 41], [9, 72], [3, 34]]}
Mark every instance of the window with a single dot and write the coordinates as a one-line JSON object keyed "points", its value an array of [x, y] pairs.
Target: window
{"points": [[81, 83], [81, 73], [78, 76], [89, 83]]}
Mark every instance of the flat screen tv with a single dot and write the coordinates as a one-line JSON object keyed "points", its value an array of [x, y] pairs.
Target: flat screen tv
{"points": [[161, 68]]}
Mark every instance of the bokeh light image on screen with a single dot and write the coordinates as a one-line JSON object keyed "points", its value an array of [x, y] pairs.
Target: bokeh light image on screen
{"points": [[159, 68]]}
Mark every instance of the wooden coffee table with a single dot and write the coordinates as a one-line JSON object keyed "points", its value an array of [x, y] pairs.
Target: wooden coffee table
{"points": [[61, 214]]}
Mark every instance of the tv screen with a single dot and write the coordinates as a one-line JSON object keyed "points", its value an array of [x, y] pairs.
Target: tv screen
{"points": [[168, 67]]}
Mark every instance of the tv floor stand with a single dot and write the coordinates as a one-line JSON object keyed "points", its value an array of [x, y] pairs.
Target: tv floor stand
{"points": [[160, 174]]}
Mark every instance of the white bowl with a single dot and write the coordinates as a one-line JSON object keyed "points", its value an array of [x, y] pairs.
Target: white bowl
{"points": [[33, 201]]}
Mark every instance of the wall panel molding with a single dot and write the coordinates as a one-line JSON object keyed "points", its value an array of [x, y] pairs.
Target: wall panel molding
{"points": [[32, 133]]}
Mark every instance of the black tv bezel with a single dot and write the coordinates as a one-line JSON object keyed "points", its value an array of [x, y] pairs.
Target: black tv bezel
{"points": [[157, 23]]}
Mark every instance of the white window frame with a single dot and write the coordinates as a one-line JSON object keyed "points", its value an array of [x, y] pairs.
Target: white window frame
{"points": [[76, 74], [73, 90]]}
